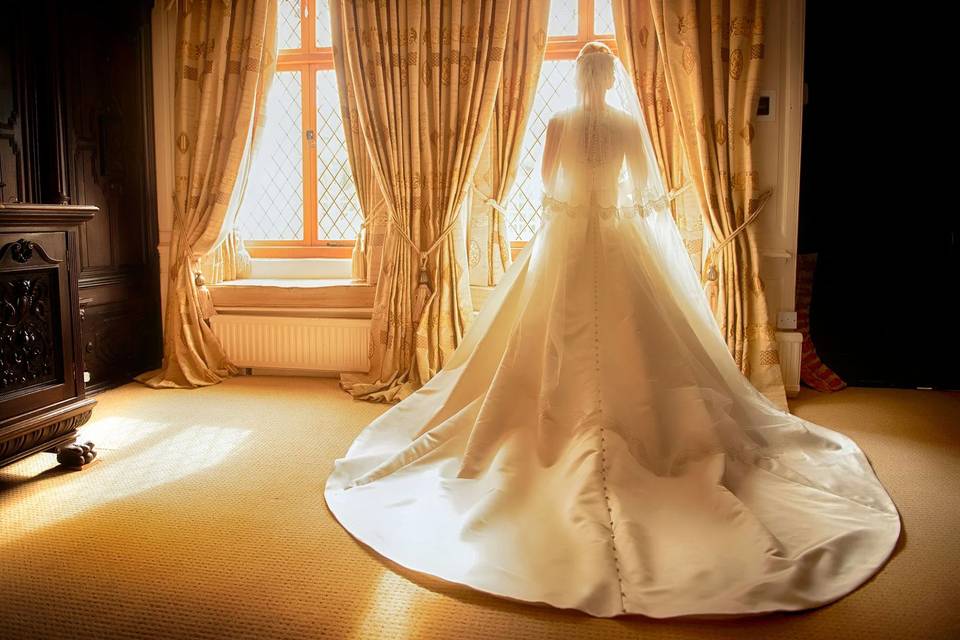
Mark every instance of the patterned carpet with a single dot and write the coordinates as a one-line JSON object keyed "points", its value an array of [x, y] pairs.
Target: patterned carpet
{"points": [[204, 517]]}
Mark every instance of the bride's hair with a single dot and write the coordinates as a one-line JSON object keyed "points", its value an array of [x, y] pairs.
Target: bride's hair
{"points": [[594, 70]]}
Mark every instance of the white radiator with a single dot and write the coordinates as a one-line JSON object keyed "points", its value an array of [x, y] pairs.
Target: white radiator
{"points": [[340, 344], [294, 343], [790, 345]]}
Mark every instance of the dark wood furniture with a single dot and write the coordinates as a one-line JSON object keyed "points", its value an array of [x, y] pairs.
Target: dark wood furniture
{"points": [[42, 397], [76, 127]]}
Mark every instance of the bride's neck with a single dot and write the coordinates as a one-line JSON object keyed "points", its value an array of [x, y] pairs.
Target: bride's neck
{"points": [[593, 101]]}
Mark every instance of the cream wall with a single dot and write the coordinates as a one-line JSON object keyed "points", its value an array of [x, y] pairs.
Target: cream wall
{"points": [[777, 152], [164, 28]]}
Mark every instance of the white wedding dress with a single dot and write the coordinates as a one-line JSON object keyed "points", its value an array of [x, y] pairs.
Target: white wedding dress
{"points": [[592, 444]]}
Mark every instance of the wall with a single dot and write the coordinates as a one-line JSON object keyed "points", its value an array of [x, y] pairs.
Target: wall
{"points": [[164, 29], [777, 152]]}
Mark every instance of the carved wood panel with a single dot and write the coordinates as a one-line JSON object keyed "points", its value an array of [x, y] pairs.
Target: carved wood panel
{"points": [[29, 329], [31, 309], [11, 169], [105, 137], [111, 165]]}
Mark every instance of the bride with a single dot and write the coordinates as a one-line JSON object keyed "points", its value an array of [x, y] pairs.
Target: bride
{"points": [[592, 444]]}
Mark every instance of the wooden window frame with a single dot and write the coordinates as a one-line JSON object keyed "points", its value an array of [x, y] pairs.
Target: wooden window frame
{"points": [[566, 48], [309, 59]]}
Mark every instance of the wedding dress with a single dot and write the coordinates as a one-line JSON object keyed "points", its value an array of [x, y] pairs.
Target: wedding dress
{"points": [[592, 444]]}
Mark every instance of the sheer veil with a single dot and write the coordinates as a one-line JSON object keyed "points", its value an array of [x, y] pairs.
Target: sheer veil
{"points": [[641, 203]]}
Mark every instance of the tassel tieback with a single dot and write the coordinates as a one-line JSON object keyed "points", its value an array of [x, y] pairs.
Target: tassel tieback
{"points": [[425, 287], [711, 273]]}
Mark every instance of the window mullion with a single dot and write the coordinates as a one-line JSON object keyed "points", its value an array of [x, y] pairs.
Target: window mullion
{"points": [[308, 17], [310, 154], [585, 27]]}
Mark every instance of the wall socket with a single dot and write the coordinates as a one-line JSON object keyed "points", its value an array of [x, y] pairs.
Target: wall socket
{"points": [[787, 320]]}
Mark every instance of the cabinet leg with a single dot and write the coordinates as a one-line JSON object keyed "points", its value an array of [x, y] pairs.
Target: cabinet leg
{"points": [[75, 456]]}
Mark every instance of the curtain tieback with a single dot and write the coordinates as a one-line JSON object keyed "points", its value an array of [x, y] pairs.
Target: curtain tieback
{"points": [[711, 272], [192, 262], [488, 200], [424, 287], [675, 193]]}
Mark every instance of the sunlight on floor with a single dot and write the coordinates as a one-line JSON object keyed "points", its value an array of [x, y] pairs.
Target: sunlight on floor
{"points": [[190, 450], [390, 607], [117, 432]]}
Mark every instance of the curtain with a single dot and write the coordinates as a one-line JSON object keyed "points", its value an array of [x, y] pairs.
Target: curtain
{"points": [[637, 41], [487, 237], [425, 77], [230, 260], [225, 57], [368, 249], [712, 52]]}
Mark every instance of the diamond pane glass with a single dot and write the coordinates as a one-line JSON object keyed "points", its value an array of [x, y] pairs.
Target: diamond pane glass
{"points": [[288, 24], [338, 209], [603, 17], [272, 207], [556, 91], [323, 24], [564, 18]]}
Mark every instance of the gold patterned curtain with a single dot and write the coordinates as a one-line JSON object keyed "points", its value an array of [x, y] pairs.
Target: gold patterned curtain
{"points": [[230, 260], [425, 78], [368, 249], [487, 239], [712, 52], [225, 58], [637, 42]]}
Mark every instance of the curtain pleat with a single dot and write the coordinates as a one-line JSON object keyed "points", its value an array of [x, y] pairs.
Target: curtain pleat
{"points": [[425, 78], [637, 42], [712, 52], [368, 248], [225, 56], [487, 236]]}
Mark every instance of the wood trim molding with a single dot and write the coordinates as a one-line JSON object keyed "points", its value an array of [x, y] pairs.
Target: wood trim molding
{"points": [[42, 214], [791, 131], [302, 251]]}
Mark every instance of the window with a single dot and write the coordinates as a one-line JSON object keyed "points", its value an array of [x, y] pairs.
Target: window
{"points": [[572, 24], [300, 199]]}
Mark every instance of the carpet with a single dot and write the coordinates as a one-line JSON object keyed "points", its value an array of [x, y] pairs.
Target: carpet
{"points": [[203, 517]]}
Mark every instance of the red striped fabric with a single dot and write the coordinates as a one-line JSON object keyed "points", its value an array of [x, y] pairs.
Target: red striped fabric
{"points": [[813, 372]]}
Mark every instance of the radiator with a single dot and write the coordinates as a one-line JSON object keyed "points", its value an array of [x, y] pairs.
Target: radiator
{"points": [[340, 344], [790, 344], [294, 343]]}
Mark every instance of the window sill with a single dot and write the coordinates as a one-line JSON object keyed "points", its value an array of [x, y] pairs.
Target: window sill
{"points": [[307, 297]]}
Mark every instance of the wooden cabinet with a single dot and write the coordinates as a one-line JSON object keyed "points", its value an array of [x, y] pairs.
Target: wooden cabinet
{"points": [[42, 397], [76, 128]]}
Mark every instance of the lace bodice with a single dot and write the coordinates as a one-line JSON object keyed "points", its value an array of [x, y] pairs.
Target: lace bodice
{"points": [[592, 158]]}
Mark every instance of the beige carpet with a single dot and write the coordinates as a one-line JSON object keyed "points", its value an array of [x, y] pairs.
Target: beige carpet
{"points": [[204, 518]]}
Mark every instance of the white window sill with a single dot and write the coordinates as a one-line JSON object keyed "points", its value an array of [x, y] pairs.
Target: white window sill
{"points": [[301, 268]]}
